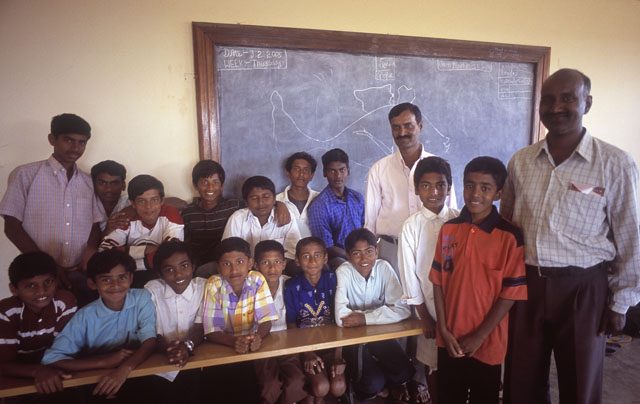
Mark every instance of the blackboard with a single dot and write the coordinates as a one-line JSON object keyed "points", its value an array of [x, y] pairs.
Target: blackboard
{"points": [[271, 101]]}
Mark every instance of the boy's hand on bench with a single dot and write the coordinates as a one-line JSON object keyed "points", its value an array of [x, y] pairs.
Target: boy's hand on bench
{"points": [[178, 353], [354, 320], [255, 342], [49, 380], [110, 384], [242, 343]]}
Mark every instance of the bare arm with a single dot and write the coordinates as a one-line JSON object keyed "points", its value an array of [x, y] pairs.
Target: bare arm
{"points": [[46, 378], [16, 234], [472, 341], [428, 323], [451, 343]]}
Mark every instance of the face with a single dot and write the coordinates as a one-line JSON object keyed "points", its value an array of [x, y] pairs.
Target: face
{"points": [[177, 271], [108, 188], [336, 174], [433, 190], [234, 267], [210, 189], [300, 174], [148, 206], [36, 292], [480, 191], [362, 257], [68, 148], [260, 202], [311, 258], [271, 264], [563, 102], [113, 286], [405, 130]]}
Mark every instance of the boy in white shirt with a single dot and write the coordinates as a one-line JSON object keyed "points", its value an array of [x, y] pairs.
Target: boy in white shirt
{"points": [[369, 292], [177, 296], [417, 241]]}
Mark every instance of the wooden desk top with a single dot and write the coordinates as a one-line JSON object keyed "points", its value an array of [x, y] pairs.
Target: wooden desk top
{"points": [[276, 344]]}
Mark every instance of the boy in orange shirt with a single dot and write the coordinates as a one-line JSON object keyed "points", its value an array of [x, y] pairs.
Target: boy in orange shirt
{"points": [[477, 274]]}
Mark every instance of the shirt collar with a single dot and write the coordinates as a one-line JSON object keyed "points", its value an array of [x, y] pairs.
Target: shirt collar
{"points": [[271, 218], [334, 197], [423, 154], [57, 167], [102, 310], [488, 224], [227, 289], [305, 285], [584, 148], [169, 293], [430, 215]]}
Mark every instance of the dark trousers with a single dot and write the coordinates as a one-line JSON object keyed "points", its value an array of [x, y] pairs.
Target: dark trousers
{"points": [[561, 316], [382, 362], [459, 378]]}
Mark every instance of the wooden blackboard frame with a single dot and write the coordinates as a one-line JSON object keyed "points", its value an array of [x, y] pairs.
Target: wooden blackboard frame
{"points": [[206, 36]]}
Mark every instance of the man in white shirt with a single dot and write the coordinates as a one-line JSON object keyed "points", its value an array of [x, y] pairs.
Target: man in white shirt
{"points": [[390, 196]]}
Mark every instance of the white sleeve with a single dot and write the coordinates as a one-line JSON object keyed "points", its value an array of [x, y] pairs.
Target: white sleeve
{"points": [[407, 258], [341, 302], [372, 199], [393, 310]]}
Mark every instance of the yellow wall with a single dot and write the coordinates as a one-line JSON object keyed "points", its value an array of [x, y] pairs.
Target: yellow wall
{"points": [[127, 66]]}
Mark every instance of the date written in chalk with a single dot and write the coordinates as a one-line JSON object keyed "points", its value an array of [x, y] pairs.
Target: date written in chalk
{"points": [[251, 58]]}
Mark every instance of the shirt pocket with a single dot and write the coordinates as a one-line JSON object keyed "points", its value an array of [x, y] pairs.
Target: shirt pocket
{"points": [[580, 216]]}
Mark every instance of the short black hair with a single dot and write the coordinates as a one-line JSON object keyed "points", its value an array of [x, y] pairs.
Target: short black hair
{"points": [[110, 167], [432, 164], [301, 156], [359, 235], [266, 246], [257, 181], [31, 264], [104, 261], [303, 242], [406, 106], [232, 244], [488, 165], [334, 155], [167, 249], [205, 169], [585, 79], [70, 124], [141, 184]]}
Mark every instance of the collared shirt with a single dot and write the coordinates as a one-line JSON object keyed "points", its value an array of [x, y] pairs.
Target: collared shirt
{"points": [[137, 236], [176, 314], [332, 219], [278, 302], [476, 265], [122, 203], [301, 217], [203, 229], [310, 306], [223, 311], [26, 334], [378, 298], [390, 195], [96, 329], [580, 213], [56, 213], [416, 245], [245, 225]]}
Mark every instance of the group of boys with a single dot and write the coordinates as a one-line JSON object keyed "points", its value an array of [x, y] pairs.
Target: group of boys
{"points": [[151, 295]]}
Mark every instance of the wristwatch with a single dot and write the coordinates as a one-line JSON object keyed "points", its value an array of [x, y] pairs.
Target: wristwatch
{"points": [[190, 345]]}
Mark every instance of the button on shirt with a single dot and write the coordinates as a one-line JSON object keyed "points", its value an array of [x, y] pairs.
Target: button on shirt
{"points": [[332, 219], [378, 298], [245, 225], [580, 213], [390, 197], [302, 218], [56, 213], [96, 329], [417, 243]]}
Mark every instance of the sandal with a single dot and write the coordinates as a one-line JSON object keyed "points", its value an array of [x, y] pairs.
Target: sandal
{"points": [[418, 393]]}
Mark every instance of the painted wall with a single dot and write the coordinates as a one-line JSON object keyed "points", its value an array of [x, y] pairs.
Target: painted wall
{"points": [[127, 66]]}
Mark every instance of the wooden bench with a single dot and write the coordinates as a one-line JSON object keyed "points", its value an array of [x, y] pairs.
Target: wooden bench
{"points": [[278, 343]]}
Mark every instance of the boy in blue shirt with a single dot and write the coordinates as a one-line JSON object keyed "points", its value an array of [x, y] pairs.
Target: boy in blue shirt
{"points": [[117, 331], [337, 210]]}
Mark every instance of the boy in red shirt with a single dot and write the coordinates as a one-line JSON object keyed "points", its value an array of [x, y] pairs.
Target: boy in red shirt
{"points": [[477, 273]]}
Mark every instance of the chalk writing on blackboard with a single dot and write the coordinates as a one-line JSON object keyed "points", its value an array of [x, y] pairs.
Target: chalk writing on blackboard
{"points": [[252, 59], [514, 81], [385, 68], [447, 65]]}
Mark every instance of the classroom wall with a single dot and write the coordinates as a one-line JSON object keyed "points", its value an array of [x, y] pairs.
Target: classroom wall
{"points": [[127, 66]]}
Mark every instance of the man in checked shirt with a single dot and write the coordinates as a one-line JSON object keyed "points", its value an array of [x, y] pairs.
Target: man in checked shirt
{"points": [[575, 198]]}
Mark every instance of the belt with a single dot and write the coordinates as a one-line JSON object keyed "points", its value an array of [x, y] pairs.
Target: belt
{"points": [[559, 272], [389, 239]]}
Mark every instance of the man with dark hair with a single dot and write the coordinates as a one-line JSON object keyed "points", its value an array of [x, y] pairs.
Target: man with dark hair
{"points": [[390, 195], [300, 168], [109, 181], [337, 210], [576, 199], [50, 205]]}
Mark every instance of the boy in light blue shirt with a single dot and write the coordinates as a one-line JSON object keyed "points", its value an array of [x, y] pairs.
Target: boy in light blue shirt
{"points": [[117, 331]]}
